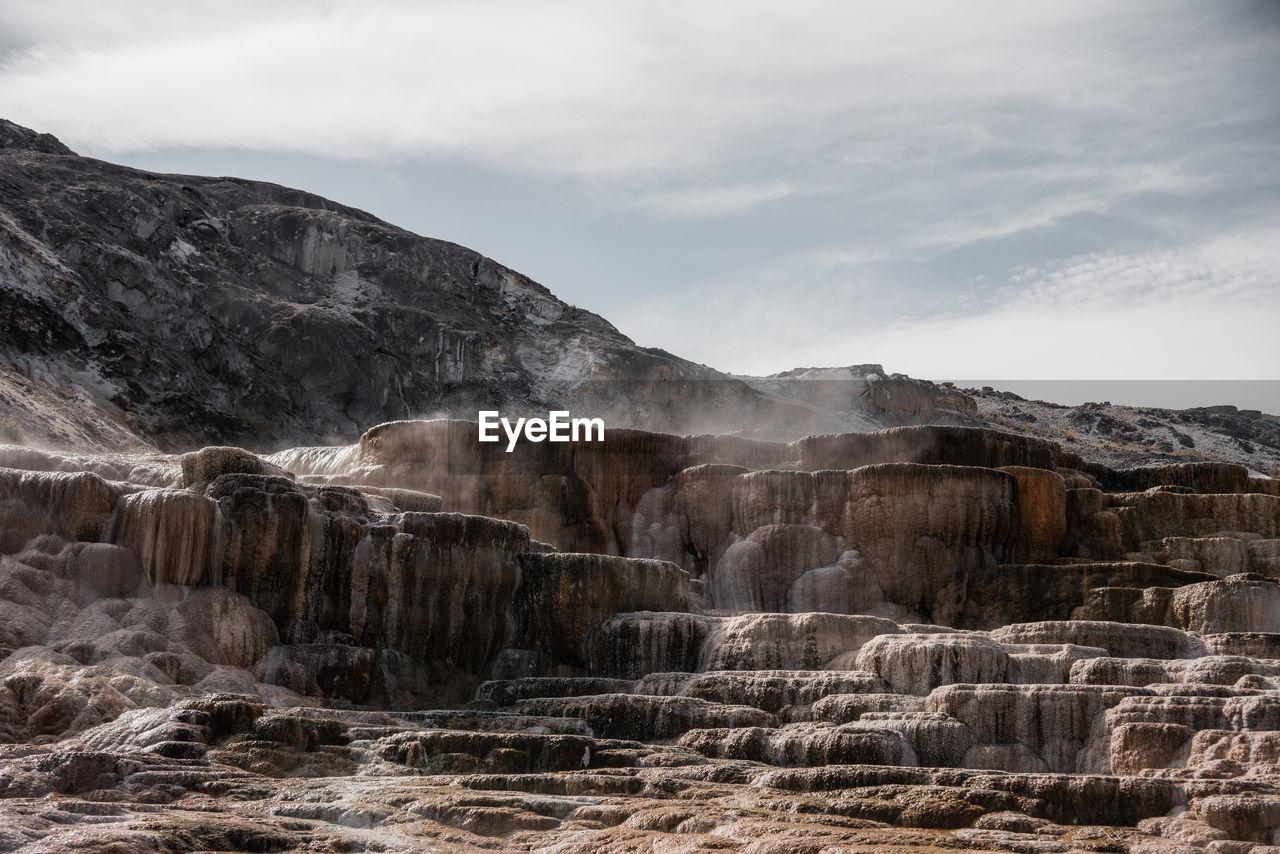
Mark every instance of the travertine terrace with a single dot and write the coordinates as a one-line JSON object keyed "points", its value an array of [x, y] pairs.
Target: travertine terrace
{"points": [[925, 638]]}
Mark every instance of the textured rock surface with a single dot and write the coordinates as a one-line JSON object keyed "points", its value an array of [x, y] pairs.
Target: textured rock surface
{"points": [[929, 638], [896, 539], [175, 626], [1133, 440], [213, 310], [918, 663]]}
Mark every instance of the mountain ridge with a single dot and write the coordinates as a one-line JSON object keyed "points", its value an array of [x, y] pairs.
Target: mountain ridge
{"points": [[175, 311], [145, 311]]}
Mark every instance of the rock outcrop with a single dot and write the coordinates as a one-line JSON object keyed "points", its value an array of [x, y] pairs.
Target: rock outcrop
{"points": [[975, 644], [175, 311]]}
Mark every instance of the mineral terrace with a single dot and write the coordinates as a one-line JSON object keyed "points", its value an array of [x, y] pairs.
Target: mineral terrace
{"points": [[923, 638], [937, 636]]}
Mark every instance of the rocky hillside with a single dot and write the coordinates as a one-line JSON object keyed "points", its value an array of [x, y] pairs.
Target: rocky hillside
{"points": [[143, 309], [1126, 436]]}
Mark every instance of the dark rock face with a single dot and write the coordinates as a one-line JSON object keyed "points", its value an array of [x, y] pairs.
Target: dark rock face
{"points": [[410, 584], [192, 311], [17, 138], [213, 308], [750, 519]]}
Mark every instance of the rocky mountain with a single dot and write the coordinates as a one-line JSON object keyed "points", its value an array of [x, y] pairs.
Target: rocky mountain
{"points": [[1127, 436], [143, 309], [723, 636]]}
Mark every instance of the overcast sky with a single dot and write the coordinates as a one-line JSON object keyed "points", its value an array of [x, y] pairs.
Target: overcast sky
{"points": [[956, 190]]}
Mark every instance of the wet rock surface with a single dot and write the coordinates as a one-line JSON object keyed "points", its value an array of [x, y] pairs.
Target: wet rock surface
{"points": [[221, 651]]}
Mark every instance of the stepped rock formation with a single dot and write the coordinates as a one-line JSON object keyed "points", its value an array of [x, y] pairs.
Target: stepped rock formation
{"points": [[959, 639], [933, 637]]}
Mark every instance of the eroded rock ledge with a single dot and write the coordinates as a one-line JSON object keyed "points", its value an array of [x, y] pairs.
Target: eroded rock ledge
{"points": [[924, 638]]}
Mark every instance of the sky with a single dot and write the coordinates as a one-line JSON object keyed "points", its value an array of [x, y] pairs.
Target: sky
{"points": [[1049, 191]]}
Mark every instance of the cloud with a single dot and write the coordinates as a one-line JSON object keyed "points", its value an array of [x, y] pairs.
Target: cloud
{"points": [[573, 88], [1236, 268], [1203, 312], [712, 201], [1064, 193], [750, 183], [1190, 339]]}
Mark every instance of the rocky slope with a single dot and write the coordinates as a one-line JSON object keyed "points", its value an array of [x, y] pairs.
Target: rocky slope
{"points": [[178, 311], [144, 310], [1131, 436]]}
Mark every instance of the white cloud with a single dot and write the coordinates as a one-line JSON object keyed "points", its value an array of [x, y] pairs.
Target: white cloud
{"points": [[1064, 192], [568, 87], [712, 201], [1184, 340], [1239, 268], [1203, 312]]}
